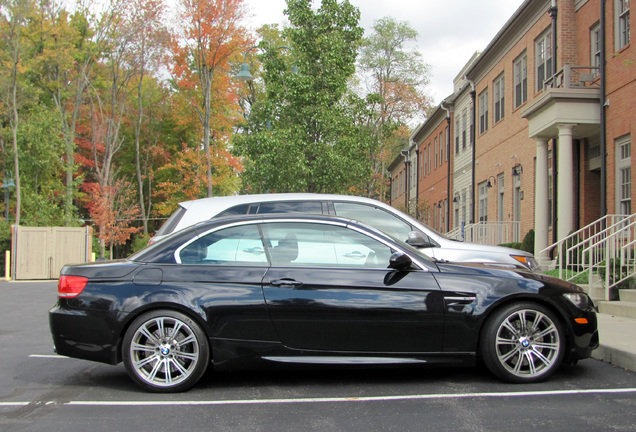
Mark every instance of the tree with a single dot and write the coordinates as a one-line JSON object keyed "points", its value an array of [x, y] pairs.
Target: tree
{"points": [[13, 16], [112, 208], [212, 37], [149, 45], [305, 136], [395, 78], [67, 48]]}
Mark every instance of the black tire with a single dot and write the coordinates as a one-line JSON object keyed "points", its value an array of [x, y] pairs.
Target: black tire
{"points": [[165, 351], [523, 343]]}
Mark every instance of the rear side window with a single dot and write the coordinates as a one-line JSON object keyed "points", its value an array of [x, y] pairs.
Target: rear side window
{"points": [[308, 207], [172, 222], [236, 246], [235, 211]]}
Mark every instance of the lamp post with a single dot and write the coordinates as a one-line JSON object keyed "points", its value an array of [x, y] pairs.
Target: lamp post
{"points": [[245, 75], [6, 185]]}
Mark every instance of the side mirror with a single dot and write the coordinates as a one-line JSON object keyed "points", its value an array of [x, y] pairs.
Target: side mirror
{"points": [[400, 261], [419, 240]]}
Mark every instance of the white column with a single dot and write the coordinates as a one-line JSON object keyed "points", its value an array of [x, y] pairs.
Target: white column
{"points": [[541, 198], [565, 184]]}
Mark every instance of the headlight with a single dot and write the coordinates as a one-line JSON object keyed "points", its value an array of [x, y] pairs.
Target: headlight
{"points": [[580, 300], [527, 261]]}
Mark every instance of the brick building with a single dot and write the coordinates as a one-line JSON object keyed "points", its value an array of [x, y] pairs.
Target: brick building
{"points": [[544, 102]]}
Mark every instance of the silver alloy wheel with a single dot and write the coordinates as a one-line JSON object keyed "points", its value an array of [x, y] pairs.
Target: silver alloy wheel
{"points": [[164, 351], [527, 343]]}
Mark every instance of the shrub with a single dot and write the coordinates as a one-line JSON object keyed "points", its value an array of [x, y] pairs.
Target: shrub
{"points": [[528, 242], [514, 245]]}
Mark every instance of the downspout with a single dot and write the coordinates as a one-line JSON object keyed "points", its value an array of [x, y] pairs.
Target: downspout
{"points": [[553, 14], [603, 119], [405, 154], [473, 121], [417, 179], [448, 167]]}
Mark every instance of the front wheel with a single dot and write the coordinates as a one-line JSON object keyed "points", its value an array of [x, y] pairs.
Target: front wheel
{"points": [[165, 351], [523, 343]]}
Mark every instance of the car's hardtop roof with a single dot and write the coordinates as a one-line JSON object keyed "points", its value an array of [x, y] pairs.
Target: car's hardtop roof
{"points": [[279, 217], [226, 201]]}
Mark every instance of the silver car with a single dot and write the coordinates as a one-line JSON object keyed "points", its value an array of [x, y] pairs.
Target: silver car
{"points": [[372, 212]]}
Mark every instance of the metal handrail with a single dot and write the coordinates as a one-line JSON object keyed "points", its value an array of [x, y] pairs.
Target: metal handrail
{"points": [[604, 241]]}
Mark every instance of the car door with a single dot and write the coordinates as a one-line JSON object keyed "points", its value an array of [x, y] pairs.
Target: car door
{"points": [[329, 289]]}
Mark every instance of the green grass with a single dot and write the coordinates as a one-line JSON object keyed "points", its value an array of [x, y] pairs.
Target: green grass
{"points": [[580, 279]]}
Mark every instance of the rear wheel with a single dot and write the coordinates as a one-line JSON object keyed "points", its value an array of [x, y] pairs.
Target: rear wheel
{"points": [[165, 351], [523, 343]]}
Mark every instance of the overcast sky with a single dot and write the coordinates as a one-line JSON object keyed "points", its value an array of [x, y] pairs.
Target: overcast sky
{"points": [[450, 31]]}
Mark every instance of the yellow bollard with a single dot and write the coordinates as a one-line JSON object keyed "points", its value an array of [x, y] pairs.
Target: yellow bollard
{"points": [[7, 265]]}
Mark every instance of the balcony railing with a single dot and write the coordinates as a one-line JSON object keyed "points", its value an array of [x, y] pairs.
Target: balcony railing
{"points": [[489, 233], [574, 77]]}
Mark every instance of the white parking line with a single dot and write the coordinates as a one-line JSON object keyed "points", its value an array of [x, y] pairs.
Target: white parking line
{"points": [[330, 399], [47, 356]]}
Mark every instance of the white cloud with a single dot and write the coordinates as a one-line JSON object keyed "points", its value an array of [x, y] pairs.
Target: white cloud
{"points": [[450, 31]]}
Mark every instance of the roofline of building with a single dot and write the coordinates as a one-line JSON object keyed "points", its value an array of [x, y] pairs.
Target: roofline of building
{"points": [[513, 30]]}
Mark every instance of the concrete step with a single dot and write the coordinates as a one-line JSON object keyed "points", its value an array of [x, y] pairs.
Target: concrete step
{"points": [[596, 292], [628, 295], [618, 308]]}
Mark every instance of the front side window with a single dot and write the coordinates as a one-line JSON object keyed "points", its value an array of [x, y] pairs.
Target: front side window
{"points": [[318, 245], [376, 217], [236, 246], [499, 97], [521, 79], [483, 111], [543, 58], [622, 23]]}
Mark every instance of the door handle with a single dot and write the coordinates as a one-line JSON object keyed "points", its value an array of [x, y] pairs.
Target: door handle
{"points": [[285, 282]]}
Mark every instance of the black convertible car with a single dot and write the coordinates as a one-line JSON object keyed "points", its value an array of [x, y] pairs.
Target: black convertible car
{"points": [[237, 292]]}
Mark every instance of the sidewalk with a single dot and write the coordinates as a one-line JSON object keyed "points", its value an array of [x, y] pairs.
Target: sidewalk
{"points": [[618, 341]]}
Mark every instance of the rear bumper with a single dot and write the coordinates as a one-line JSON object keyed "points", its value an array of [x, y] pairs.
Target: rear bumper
{"points": [[79, 334]]}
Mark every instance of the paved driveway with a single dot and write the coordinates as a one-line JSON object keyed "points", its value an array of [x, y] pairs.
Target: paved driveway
{"points": [[43, 392]]}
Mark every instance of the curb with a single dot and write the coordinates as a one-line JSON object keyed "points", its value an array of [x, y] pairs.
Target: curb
{"points": [[615, 356]]}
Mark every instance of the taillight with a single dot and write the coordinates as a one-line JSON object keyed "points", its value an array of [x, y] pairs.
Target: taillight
{"points": [[71, 286]]}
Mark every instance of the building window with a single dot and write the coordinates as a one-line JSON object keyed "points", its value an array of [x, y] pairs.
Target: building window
{"points": [[543, 56], [622, 23], [436, 152], [499, 96], [457, 134], [483, 202], [447, 142], [595, 45], [464, 127], [624, 175], [521, 79], [464, 206], [483, 111], [441, 149]]}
